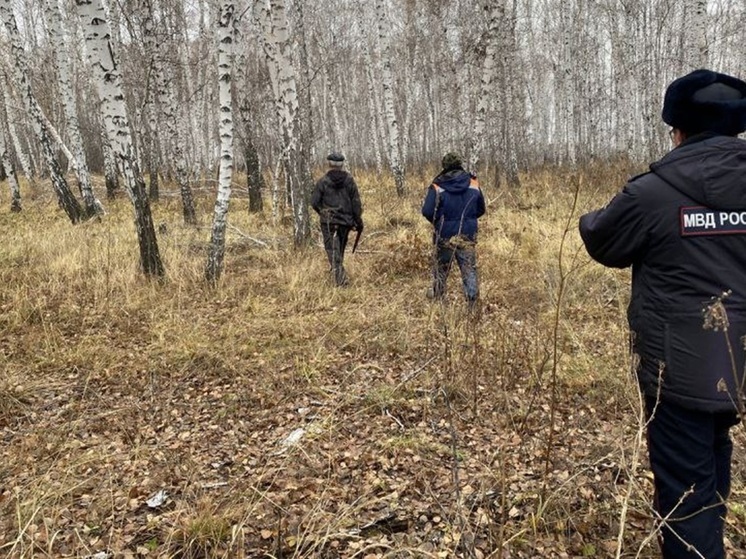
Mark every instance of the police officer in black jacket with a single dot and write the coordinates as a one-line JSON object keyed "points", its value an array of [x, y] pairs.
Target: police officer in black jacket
{"points": [[682, 228]]}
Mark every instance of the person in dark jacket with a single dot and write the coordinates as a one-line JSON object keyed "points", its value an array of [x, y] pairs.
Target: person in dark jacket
{"points": [[337, 201], [682, 228], [453, 205]]}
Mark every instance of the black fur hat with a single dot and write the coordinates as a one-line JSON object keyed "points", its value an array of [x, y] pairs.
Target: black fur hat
{"points": [[706, 101]]}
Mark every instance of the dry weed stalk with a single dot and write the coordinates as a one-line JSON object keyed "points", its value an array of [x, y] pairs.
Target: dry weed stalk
{"points": [[564, 275]]}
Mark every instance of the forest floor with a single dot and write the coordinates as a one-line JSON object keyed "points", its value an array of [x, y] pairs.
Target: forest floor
{"points": [[277, 416]]}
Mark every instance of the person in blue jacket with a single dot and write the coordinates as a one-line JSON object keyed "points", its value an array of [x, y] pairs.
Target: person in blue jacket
{"points": [[682, 229], [453, 205]]}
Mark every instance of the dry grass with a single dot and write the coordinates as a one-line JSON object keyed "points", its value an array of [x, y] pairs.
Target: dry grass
{"points": [[424, 428]]}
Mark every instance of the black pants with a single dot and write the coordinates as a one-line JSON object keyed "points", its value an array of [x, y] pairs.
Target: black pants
{"points": [[690, 454], [335, 242]]}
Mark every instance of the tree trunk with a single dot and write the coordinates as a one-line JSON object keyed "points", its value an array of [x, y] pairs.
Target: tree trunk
{"points": [[697, 48], [10, 173], [65, 197], [495, 13], [216, 251], [254, 177], [375, 114], [100, 52], [388, 99], [111, 174], [69, 104], [512, 115], [169, 106], [154, 183], [22, 155], [273, 18]]}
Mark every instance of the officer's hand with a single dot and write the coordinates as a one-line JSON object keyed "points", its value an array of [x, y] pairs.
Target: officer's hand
{"points": [[359, 225]]}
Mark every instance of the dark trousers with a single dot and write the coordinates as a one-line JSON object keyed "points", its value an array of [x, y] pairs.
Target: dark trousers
{"points": [[335, 242], [690, 453], [465, 254]]}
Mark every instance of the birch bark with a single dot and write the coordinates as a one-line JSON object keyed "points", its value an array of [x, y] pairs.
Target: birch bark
{"points": [[375, 113], [276, 41], [216, 251], [64, 73], [10, 173], [394, 147], [23, 157], [67, 200], [247, 135], [495, 14], [111, 174], [697, 48], [100, 51], [167, 103]]}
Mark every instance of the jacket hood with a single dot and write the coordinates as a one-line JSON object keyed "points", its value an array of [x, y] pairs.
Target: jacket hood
{"points": [[709, 169], [455, 181], [337, 177]]}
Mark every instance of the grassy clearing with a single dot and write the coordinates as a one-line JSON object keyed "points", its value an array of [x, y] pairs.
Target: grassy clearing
{"points": [[285, 418]]}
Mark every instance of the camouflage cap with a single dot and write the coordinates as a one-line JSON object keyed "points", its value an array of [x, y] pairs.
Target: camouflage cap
{"points": [[451, 160]]}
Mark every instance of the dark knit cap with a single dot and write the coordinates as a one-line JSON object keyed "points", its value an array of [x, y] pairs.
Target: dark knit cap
{"points": [[336, 157], [451, 160], [706, 101]]}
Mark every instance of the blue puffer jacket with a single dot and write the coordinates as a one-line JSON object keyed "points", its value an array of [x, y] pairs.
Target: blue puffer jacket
{"points": [[682, 228], [453, 204]]}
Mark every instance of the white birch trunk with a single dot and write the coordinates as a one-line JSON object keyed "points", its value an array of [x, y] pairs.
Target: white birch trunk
{"points": [[100, 51], [375, 113], [336, 124], [394, 146], [55, 136], [78, 158], [697, 48], [7, 162], [20, 70], [496, 14], [276, 41], [167, 101], [21, 154], [111, 174], [204, 97], [216, 251]]}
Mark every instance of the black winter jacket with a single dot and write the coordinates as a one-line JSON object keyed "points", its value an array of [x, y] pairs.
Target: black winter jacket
{"points": [[682, 228], [336, 199]]}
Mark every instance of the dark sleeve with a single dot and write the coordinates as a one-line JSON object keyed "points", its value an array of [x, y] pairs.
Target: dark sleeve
{"points": [[317, 195], [357, 205], [616, 236], [429, 206]]}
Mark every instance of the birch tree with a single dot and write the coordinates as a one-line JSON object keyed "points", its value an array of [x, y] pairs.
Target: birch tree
{"points": [[65, 197], [167, 102], [14, 139], [394, 149], [10, 173], [375, 113], [100, 51], [696, 47], [216, 250], [69, 104], [247, 136], [495, 12], [272, 17], [111, 175]]}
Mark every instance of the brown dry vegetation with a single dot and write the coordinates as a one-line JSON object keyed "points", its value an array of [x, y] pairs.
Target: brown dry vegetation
{"points": [[426, 431]]}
